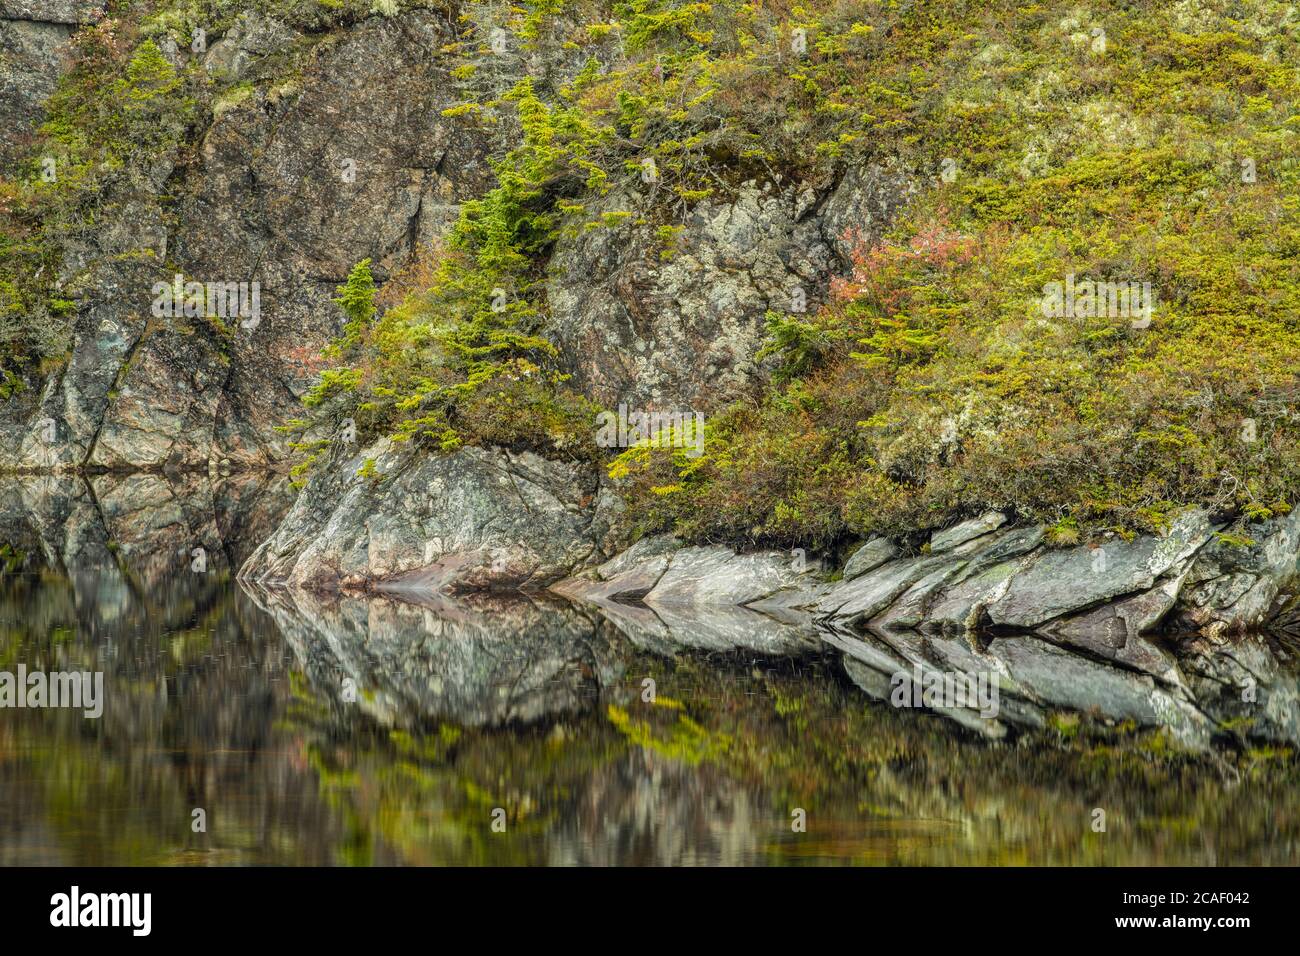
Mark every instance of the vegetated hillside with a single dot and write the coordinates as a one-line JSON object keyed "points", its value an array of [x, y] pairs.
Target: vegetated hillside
{"points": [[857, 235], [1144, 143]]}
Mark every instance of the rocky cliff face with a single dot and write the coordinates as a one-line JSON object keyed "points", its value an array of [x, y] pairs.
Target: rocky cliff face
{"points": [[33, 37], [683, 331], [321, 149]]}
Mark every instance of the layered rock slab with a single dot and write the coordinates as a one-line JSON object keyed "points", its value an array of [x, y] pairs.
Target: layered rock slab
{"points": [[1088, 616]]}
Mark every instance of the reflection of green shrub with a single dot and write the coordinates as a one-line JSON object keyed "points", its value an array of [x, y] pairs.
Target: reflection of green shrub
{"points": [[684, 740], [12, 559]]}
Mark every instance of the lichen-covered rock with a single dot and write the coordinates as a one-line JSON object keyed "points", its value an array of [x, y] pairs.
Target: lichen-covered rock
{"points": [[863, 598], [295, 182], [862, 206], [679, 325], [66, 12], [331, 148], [961, 605], [1114, 631], [1100, 598], [661, 571], [1241, 578], [629, 575], [870, 556], [321, 147], [719, 577], [476, 518], [1089, 618], [949, 538], [240, 52], [1063, 581]]}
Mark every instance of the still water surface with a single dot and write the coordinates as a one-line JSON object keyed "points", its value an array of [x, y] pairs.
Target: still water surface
{"points": [[239, 702]]}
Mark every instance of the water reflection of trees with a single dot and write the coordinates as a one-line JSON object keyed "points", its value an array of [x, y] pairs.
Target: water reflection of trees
{"points": [[710, 771], [235, 703]]}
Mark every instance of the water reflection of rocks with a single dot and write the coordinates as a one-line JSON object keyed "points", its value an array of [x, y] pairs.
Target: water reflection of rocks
{"points": [[195, 680], [539, 707], [485, 660], [476, 661], [100, 579], [142, 527], [1201, 689]]}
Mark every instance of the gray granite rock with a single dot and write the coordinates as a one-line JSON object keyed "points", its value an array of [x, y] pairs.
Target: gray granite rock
{"points": [[707, 577], [681, 330], [477, 518], [1244, 584], [1064, 581], [870, 556], [949, 538], [261, 197]]}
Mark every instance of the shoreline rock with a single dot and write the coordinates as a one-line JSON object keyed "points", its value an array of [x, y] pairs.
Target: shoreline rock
{"points": [[1129, 630], [983, 573], [474, 519], [1078, 625]]}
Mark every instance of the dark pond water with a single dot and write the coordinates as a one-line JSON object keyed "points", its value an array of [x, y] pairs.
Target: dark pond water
{"points": [[379, 731]]}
